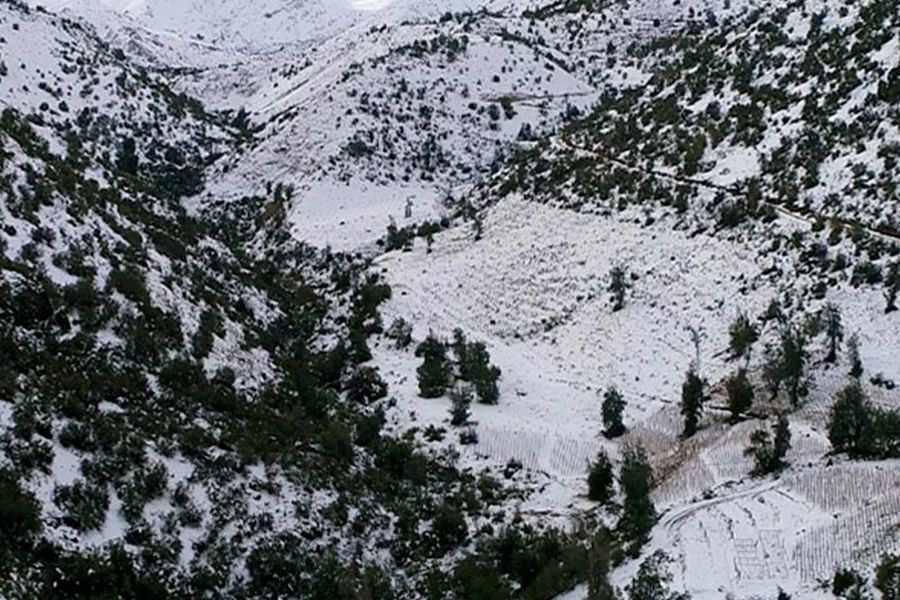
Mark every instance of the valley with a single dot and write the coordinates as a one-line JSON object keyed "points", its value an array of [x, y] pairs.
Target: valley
{"points": [[308, 299]]}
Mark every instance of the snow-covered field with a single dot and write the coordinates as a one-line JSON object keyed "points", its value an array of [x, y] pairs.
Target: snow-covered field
{"points": [[534, 290]]}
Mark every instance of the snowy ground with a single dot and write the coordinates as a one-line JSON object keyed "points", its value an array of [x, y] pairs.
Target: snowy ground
{"points": [[534, 290]]}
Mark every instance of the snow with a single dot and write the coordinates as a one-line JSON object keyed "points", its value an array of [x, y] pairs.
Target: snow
{"points": [[534, 288]]}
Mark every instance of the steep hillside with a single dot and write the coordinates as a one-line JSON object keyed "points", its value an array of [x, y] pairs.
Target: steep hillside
{"points": [[235, 25], [413, 102], [503, 299], [702, 188], [180, 417]]}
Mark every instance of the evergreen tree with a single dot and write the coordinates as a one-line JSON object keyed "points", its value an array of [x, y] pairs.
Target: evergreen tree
{"points": [[856, 368], [887, 577], [653, 579], [613, 407], [434, 373], [769, 454], [782, 442], [600, 479], [127, 161], [833, 329], [460, 401], [365, 386], [742, 335], [241, 121], [20, 513], [636, 482], [787, 366], [599, 561], [618, 286], [740, 394], [460, 347], [475, 366], [849, 585], [892, 287], [692, 392], [793, 362], [850, 422], [401, 332]]}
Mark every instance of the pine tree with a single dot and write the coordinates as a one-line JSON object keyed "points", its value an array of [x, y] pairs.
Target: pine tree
{"points": [[740, 394], [787, 366], [460, 346], [849, 585], [618, 286], [599, 561], [365, 386], [475, 366], [600, 479], [782, 442], [834, 330], [127, 161], [793, 357], [856, 367], [613, 407], [401, 332], [850, 422], [460, 400], [653, 579], [887, 577], [892, 287], [742, 335], [692, 396], [636, 482], [769, 454], [434, 373]]}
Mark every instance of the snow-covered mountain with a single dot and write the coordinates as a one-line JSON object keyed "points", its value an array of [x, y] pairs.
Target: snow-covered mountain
{"points": [[257, 25], [311, 298]]}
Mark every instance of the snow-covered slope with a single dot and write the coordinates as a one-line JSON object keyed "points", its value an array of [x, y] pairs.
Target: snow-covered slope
{"points": [[258, 25], [727, 158], [413, 100]]}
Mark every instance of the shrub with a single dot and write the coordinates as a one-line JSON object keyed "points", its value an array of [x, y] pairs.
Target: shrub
{"points": [[365, 386], [449, 529], [84, 505], [887, 577], [20, 513]]}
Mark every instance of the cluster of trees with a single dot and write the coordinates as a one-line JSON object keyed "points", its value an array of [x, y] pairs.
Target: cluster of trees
{"points": [[402, 238], [472, 366], [637, 514], [849, 584], [651, 582], [769, 451], [786, 364], [860, 429]]}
